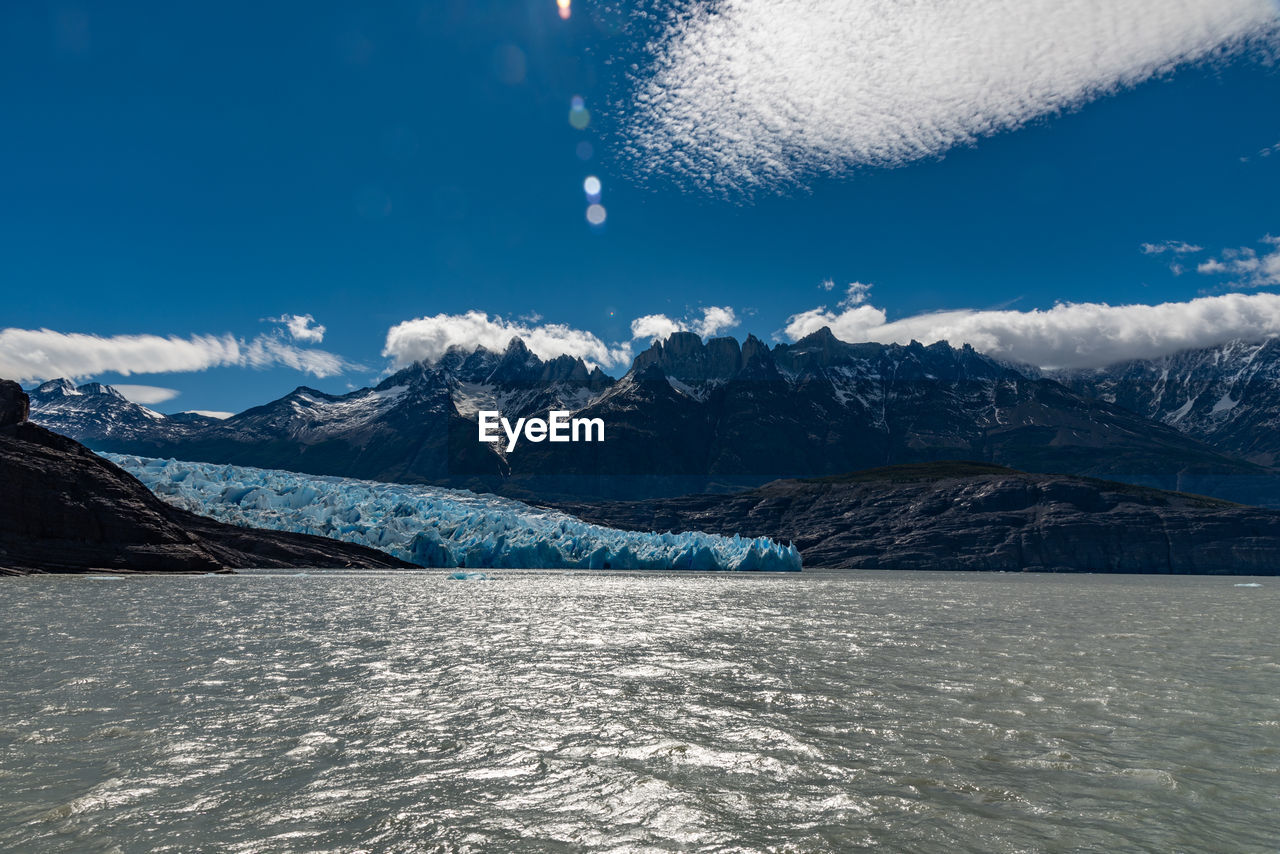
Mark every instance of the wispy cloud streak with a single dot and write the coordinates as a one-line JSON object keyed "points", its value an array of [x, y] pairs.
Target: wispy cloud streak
{"points": [[37, 354]]}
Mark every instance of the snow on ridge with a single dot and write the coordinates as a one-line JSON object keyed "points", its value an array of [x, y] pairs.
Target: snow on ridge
{"points": [[438, 527], [326, 417]]}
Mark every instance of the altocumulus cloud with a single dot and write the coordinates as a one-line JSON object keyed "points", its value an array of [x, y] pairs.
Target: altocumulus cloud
{"points": [[751, 94], [429, 338], [1248, 267], [1069, 335], [37, 354]]}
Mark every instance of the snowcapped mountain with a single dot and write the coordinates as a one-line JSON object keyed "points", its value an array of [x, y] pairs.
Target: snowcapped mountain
{"points": [[822, 406], [689, 415], [517, 382], [1226, 396], [94, 412], [411, 427]]}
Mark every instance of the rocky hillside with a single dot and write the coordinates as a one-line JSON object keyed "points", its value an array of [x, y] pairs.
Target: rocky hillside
{"points": [[974, 516], [65, 509]]}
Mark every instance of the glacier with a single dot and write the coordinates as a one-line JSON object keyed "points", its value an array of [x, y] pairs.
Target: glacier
{"points": [[437, 527]]}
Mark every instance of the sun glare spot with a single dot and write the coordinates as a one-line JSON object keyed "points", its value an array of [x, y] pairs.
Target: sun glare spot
{"points": [[563, 5]]}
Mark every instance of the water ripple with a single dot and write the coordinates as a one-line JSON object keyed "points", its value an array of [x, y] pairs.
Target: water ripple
{"points": [[638, 712]]}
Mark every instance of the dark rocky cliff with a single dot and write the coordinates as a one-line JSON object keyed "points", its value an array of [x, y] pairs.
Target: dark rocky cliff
{"points": [[65, 509], [973, 516]]}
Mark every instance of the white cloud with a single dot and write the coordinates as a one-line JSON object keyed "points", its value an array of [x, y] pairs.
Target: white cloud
{"points": [[146, 394], [655, 327], [1175, 247], [301, 327], [715, 319], [428, 338], [857, 294], [757, 93], [212, 413], [41, 354], [1250, 269], [1069, 335]]}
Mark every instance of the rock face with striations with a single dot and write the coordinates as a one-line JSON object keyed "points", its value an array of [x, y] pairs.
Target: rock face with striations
{"points": [[65, 509], [974, 516]]}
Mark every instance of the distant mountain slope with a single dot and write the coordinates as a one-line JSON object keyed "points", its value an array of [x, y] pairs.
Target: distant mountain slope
{"points": [[94, 412], [688, 416], [974, 516], [1227, 396]]}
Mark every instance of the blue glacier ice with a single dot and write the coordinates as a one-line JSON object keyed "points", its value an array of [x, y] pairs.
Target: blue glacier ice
{"points": [[438, 527]]}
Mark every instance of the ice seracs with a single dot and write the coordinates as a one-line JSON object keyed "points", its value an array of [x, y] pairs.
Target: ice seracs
{"points": [[439, 527]]}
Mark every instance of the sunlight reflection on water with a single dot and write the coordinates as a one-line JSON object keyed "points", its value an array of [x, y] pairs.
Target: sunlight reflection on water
{"points": [[638, 711]]}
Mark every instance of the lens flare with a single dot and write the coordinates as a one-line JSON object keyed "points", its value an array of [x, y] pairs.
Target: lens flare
{"points": [[579, 117], [591, 186], [563, 6], [596, 214]]}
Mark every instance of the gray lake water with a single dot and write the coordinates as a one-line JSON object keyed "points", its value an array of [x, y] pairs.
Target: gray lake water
{"points": [[545, 711]]}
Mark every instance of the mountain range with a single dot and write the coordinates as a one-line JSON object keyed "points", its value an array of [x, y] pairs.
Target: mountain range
{"points": [[718, 415], [1226, 396]]}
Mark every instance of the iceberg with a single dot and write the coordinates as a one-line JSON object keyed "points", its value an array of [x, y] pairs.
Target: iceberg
{"points": [[437, 527]]}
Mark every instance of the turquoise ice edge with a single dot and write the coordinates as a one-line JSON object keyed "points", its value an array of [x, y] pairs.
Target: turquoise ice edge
{"points": [[437, 527]]}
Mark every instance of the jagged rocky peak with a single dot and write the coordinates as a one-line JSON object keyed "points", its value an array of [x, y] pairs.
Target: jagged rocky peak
{"points": [[100, 388], [520, 366], [468, 364], [822, 346], [941, 361], [565, 369], [516, 367], [517, 352], [415, 375], [15, 406], [821, 349], [61, 387], [754, 348], [685, 357]]}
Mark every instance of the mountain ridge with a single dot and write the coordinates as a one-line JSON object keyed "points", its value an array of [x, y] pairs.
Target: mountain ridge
{"points": [[688, 415]]}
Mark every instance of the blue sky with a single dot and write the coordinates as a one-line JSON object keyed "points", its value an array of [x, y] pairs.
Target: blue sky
{"points": [[179, 171]]}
